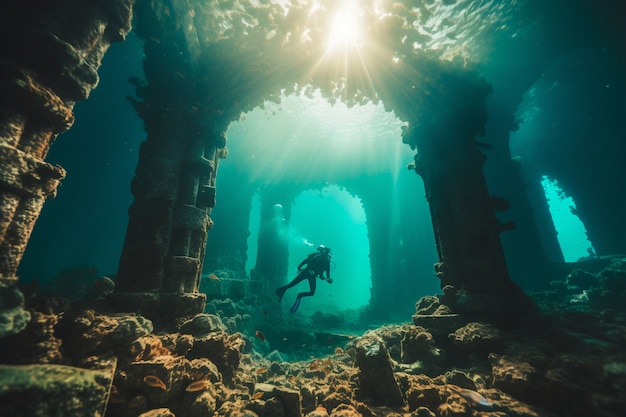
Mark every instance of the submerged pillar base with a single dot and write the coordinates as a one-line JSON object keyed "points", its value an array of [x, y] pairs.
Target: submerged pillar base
{"points": [[162, 308]]}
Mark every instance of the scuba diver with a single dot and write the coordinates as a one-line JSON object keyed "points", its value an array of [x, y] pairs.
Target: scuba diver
{"points": [[316, 264]]}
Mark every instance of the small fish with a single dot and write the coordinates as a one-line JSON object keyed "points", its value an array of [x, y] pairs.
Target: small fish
{"points": [[475, 398], [213, 276], [338, 351], [104, 284], [284, 339], [260, 335], [265, 313], [261, 370], [257, 395], [153, 381], [200, 385]]}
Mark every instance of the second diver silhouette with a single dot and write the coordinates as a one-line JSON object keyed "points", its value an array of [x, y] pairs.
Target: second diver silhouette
{"points": [[310, 268]]}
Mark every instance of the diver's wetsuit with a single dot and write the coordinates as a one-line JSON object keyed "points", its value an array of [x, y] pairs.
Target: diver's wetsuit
{"points": [[316, 264]]}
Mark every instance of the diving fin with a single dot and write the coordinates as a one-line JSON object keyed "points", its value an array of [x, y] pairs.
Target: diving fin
{"points": [[295, 305]]}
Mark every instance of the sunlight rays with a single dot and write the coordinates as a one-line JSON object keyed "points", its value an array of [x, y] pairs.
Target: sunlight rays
{"points": [[310, 141], [346, 27], [341, 50]]}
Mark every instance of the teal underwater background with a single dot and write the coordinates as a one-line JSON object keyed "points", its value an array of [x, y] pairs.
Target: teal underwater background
{"points": [[574, 112]]}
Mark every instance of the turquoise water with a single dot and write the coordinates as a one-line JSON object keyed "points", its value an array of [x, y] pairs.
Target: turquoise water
{"points": [[305, 139], [560, 74]]}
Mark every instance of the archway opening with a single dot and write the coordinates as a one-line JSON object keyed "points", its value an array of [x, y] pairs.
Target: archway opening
{"points": [[571, 232], [334, 218], [309, 149]]}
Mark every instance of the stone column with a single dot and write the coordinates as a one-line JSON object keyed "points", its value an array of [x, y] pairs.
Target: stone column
{"points": [[534, 241], [174, 189], [50, 57], [272, 260], [174, 184], [472, 267]]}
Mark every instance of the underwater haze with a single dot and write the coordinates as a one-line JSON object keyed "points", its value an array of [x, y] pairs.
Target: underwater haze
{"points": [[558, 66], [306, 140]]}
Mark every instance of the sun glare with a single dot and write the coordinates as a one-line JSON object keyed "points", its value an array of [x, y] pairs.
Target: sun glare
{"points": [[345, 28]]}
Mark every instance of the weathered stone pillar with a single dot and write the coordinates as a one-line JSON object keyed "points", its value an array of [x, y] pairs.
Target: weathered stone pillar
{"points": [[49, 57], [174, 184], [472, 267], [272, 260], [533, 242]]}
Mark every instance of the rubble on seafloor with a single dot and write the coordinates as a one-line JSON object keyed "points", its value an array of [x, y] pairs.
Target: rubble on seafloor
{"points": [[83, 362]]}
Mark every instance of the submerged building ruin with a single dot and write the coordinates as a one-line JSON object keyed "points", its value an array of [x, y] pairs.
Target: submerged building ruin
{"points": [[204, 65], [445, 70]]}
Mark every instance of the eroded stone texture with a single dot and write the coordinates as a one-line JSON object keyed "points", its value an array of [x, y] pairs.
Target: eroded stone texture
{"points": [[475, 341], [13, 317], [222, 349], [37, 343], [158, 412], [551, 389], [376, 378], [50, 60], [417, 344], [52, 390]]}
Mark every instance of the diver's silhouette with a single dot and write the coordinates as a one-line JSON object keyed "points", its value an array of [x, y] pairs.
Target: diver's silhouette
{"points": [[316, 264]]}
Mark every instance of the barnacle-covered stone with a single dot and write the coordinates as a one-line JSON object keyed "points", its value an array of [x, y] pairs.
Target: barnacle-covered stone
{"points": [[376, 378], [222, 349], [35, 390], [13, 316]]}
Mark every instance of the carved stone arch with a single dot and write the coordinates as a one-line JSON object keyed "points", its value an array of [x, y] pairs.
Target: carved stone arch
{"points": [[205, 65]]}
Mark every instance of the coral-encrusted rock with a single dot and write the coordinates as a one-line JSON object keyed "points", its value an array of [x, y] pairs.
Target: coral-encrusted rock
{"points": [[310, 394], [477, 340], [176, 342], [203, 405], [35, 344], [318, 412], [459, 378], [335, 399], [376, 378], [548, 389], [52, 390], [222, 349], [454, 406], [158, 412], [13, 317], [514, 377], [290, 399], [203, 368], [345, 410], [202, 324], [427, 305], [581, 279], [146, 347], [423, 393], [268, 408], [129, 328], [422, 412], [417, 344], [392, 335], [102, 334], [160, 379]]}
